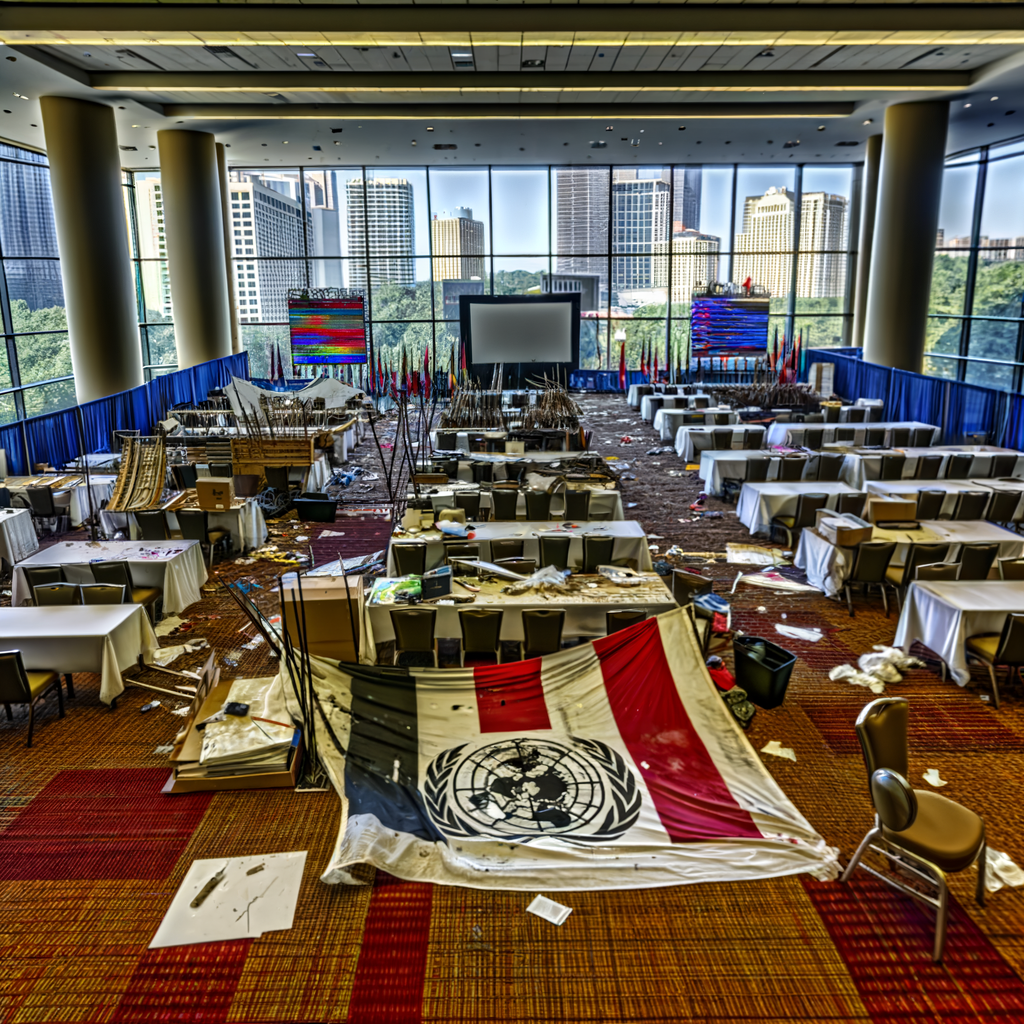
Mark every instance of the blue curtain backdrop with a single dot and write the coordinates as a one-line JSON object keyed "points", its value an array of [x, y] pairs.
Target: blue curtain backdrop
{"points": [[55, 439]]}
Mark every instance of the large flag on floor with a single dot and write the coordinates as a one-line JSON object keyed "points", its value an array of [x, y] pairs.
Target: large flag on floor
{"points": [[610, 765]]}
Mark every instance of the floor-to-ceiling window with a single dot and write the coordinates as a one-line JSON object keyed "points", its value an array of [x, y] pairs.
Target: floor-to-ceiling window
{"points": [[976, 314]]}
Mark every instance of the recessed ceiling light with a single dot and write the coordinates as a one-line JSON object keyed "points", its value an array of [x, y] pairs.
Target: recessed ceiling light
{"points": [[821, 127], [871, 120], [429, 128], [305, 55], [994, 98], [285, 143], [610, 128], [966, 105]]}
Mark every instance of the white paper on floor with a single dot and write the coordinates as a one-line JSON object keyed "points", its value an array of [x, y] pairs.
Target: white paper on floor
{"points": [[813, 635], [551, 911], [776, 748], [331, 533], [242, 906], [932, 777], [773, 581], [1000, 871], [754, 554], [168, 624]]}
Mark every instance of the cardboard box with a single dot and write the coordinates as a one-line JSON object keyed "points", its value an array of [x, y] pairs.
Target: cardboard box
{"points": [[436, 583], [844, 531], [891, 510], [515, 447], [215, 493], [328, 622]]}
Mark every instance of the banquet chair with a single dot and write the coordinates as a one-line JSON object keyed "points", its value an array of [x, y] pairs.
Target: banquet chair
{"points": [[804, 515], [899, 437], [702, 441], [470, 501], [458, 549], [721, 419], [921, 437], [21, 686], [504, 500], [555, 551], [597, 551], [824, 467], [481, 635], [791, 468], [693, 419], [523, 566], [851, 503], [976, 561], [701, 402], [414, 637], [830, 413], [1011, 568], [722, 438], [577, 504], [542, 631], [194, 524], [153, 525], [185, 477], [506, 549], [855, 414], [39, 500], [56, 594], [938, 572], [815, 417], [446, 440], [41, 576], [929, 504], [410, 559], [5, 498], [892, 466], [221, 469], [901, 576], [119, 573], [876, 414], [755, 471], [277, 478], [623, 619], [450, 468], [1003, 648], [970, 505], [814, 438], [928, 467], [869, 569], [923, 834], [752, 440], [1002, 465], [845, 435], [538, 506], [958, 466], [102, 593], [874, 437], [1002, 508], [483, 472]]}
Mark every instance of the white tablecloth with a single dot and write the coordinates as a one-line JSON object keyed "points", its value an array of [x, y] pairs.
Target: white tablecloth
{"points": [[174, 565], [684, 442], [502, 463], [668, 421], [909, 489], [791, 434], [633, 395], [602, 501], [731, 463], [859, 467], [246, 524], [630, 541], [106, 639], [76, 499], [828, 566], [582, 617], [943, 615], [17, 534], [759, 503]]}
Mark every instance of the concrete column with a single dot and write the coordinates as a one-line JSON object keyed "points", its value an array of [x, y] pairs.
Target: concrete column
{"points": [[95, 263], [225, 204], [906, 221], [194, 227], [868, 201]]}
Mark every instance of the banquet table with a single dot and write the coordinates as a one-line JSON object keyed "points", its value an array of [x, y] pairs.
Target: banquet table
{"points": [[943, 615], [74, 498], [17, 535], [502, 462], [716, 465], [791, 434], [244, 521], [827, 565], [684, 438], [603, 501], [650, 405], [629, 536], [585, 609], [635, 392], [104, 638], [668, 421], [859, 467], [909, 489], [759, 503], [174, 565]]}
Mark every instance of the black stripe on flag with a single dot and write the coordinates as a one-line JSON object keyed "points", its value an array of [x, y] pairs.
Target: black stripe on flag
{"points": [[382, 765]]}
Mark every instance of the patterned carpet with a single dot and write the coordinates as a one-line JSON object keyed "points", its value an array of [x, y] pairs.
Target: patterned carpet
{"points": [[91, 854]]}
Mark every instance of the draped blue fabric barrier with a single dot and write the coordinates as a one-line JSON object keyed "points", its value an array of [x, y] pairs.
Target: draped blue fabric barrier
{"points": [[1013, 433], [54, 438]]}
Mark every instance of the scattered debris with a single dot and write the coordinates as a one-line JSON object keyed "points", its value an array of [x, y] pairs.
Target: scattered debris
{"points": [[775, 748], [812, 635], [932, 777], [551, 911]]}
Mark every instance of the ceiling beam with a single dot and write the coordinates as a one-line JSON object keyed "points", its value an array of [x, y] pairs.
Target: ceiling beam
{"points": [[498, 111], [415, 25], [529, 81]]}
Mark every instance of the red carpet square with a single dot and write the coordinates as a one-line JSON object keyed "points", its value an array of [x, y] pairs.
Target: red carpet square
{"points": [[101, 823]]}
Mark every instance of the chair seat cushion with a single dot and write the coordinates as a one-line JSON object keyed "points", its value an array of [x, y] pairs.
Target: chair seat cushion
{"points": [[145, 595], [786, 521], [944, 832], [985, 644], [894, 574], [39, 681]]}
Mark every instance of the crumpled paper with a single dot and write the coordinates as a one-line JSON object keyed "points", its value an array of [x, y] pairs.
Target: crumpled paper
{"points": [[1000, 871], [776, 748], [932, 778], [813, 635]]}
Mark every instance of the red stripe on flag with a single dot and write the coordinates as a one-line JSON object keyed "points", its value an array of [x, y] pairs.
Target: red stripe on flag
{"points": [[511, 697], [691, 798]]}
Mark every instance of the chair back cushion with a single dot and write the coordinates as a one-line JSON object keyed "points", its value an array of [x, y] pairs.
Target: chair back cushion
{"points": [[14, 688], [872, 560], [1011, 641], [894, 800], [882, 730]]}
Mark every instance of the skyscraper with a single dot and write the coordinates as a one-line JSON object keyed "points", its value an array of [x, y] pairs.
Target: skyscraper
{"points": [[694, 261], [156, 284], [323, 204], [389, 210], [640, 218], [686, 186], [457, 242], [765, 245], [581, 221]]}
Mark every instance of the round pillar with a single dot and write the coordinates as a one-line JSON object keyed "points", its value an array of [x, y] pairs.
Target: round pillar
{"points": [[194, 228], [906, 222], [868, 204], [95, 263]]}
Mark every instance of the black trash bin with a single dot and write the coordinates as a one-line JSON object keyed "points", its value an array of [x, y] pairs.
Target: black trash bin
{"points": [[765, 676]]}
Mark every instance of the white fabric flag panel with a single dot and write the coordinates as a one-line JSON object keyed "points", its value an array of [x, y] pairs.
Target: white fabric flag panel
{"points": [[611, 765]]}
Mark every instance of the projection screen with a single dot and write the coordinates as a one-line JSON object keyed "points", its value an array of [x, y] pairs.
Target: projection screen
{"points": [[521, 333]]}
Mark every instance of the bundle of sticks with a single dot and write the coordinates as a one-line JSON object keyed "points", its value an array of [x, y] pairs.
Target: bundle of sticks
{"points": [[554, 409]]}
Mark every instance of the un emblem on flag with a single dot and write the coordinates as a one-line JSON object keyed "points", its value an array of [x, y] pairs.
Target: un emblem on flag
{"points": [[525, 788]]}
